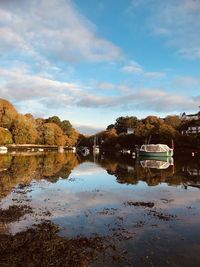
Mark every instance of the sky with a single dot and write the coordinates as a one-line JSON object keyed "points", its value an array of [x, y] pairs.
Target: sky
{"points": [[92, 61]]}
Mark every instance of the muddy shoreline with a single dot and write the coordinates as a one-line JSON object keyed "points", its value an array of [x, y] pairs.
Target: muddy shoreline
{"points": [[41, 244]]}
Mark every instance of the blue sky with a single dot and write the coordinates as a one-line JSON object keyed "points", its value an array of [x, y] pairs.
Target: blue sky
{"points": [[92, 61]]}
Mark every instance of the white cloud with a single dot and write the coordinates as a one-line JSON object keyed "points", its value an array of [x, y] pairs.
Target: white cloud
{"points": [[154, 74], [88, 129], [186, 81], [152, 100], [133, 68], [52, 29], [106, 85], [20, 86], [177, 21], [39, 93], [136, 69]]}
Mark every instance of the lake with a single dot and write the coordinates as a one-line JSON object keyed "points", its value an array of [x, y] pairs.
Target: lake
{"points": [[64, 209]]}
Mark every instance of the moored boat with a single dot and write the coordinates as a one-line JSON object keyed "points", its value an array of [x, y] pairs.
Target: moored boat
{"points": [[3, 149], [155, 150]]}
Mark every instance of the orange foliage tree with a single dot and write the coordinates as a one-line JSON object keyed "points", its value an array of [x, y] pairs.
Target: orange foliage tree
{"points": [[24, 130], [7, 114]]}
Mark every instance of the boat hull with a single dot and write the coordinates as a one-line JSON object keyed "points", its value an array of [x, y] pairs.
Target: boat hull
{"points": [[156, 154]]}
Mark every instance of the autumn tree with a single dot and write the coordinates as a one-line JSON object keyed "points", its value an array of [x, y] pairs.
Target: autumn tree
{"points": [[123, 123], [167, 133], [24, 130], [7, 114], [173, 121], [52, 134], [54, 119], [67, 128], [111, 126], [5, 136], [72, 139]]}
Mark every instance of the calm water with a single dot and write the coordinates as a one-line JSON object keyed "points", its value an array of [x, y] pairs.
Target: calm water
{"points": [[148, 210]]}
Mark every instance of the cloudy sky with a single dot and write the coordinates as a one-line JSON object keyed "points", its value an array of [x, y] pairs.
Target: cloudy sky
{"points": [[92, 61]]}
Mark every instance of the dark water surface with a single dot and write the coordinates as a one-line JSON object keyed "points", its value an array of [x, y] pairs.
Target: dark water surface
{"points": [[146, 212]]}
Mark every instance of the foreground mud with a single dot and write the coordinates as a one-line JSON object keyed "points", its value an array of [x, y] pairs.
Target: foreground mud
{"points": [[41, 245]]}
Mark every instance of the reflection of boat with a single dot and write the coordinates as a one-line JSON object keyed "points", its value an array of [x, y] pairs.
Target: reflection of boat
{"points": [[2, 170], [74, 149], [157, 150], [95, 146], [125, 151], [85, 151], [157, 163], [3, 149]]}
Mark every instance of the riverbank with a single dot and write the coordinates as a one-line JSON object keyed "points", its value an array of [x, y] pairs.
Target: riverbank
{"points": [[37, 147]]}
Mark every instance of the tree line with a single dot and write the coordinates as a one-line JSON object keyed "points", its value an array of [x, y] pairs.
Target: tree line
{"points": [[129, 131], [25, 129]]}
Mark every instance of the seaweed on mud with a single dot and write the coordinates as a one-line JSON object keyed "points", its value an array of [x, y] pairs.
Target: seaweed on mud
{"points": [[42, 246], [13, 213], [139, 204], [161, 215]]}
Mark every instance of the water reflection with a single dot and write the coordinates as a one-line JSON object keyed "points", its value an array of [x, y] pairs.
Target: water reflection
{"points": [[22, 168], [140, 204]]}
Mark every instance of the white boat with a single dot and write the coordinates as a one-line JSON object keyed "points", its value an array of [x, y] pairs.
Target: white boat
{"points": [[155, 150], [3, 149]]}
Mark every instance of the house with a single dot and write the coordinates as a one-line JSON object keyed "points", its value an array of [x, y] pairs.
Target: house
{"points": [[191, 130], [130, 131], [190, 117]]}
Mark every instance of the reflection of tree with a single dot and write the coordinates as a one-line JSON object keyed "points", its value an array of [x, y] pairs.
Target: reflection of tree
{"points": [[22, 169], [130, 171]]}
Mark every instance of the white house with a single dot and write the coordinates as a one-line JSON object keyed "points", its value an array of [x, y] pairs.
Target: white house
{"points": [[190, 117]]}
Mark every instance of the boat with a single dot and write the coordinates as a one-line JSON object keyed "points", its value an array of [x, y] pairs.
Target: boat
{"points": [[3, 149], [155, 150]]}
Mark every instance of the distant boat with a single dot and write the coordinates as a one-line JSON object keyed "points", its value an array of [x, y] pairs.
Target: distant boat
{"points": [[155, 150], [3, 149]]}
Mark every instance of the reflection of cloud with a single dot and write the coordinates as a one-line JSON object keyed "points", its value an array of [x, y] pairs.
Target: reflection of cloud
{"points": [[71, 202], [87, 169]]}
